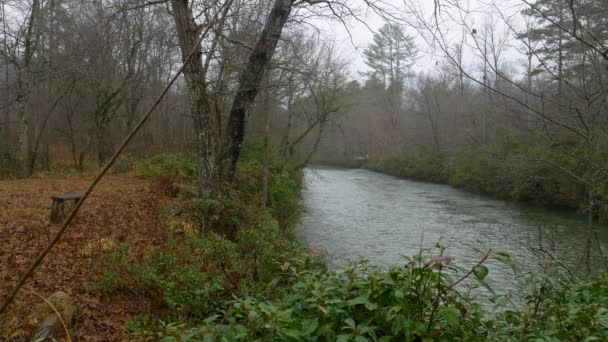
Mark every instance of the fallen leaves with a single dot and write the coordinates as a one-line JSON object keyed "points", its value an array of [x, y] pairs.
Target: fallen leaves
{"points": [[123, 209]]}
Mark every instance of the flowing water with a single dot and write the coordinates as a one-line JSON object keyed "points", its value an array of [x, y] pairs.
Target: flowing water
{"points": [[358, 213]]}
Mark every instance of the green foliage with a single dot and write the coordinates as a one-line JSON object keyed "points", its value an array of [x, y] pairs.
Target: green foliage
{"points": [[284, 184], [418, 302], [262, 247], [169, 170], [248, 179], [556, 311], [189, 275], [221, 246], [479, 172], [521, 169], [195, 275], [224, 215], [146, 328], [285, 198], [361, 303], [115, 269], [425, 164], [253, 150]]}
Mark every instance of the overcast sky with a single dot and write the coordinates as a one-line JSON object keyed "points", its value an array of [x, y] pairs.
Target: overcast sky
{"points": [[353, 44]]}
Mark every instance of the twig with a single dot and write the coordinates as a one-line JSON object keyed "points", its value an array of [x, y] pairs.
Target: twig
{"points": [[485, 257]]}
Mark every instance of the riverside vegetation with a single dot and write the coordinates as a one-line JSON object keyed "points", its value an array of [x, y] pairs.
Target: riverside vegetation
{"points": [[523, 169], [244, 277]]}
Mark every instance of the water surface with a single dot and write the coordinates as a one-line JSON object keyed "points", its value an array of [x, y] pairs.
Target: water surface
{"points": [[358, 213]]}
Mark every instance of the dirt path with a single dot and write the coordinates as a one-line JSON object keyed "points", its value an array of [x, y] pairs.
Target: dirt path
{"points": [[123, 208]]}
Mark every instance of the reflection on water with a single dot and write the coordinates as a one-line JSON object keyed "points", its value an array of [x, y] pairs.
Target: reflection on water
{"points": [[359, 213]]}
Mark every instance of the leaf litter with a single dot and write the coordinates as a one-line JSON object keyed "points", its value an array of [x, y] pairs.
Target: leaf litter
{"points": [[122, 209]]}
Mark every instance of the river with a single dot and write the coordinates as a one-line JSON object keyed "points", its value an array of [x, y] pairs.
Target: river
{"points": [[353, 213]]}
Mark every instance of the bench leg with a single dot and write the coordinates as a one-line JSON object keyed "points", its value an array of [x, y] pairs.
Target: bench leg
{"points": [[57, 212]]}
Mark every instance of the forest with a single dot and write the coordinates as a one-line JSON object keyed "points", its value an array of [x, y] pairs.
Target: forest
{"points": [[186, 138]]}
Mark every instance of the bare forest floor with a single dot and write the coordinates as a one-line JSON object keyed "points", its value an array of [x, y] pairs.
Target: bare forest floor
{"points": [[123, 208]]}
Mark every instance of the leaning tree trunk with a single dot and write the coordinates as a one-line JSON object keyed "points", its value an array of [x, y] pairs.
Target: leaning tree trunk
{"points": [[315, 146], [187, 33], [249, 84]]}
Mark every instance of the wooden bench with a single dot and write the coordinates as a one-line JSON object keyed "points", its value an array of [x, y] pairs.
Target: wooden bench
{"points": [[58, 204]]}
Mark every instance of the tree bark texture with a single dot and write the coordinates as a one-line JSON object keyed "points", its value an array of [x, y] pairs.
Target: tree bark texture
{"points": [[187, 32], [249, 83], [23, 90]]}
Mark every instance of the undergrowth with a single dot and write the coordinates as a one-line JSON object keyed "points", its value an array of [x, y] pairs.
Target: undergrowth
{"points": [[219, 247], [232, 271], [519, 169], [427, 299]]}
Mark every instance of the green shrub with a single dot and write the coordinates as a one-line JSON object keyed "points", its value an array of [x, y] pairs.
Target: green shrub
{"points": [[532, 169], [421, 164], [115, 270], [252, 149], [422, 301], [284, 186], [481, 172], [285, 198], [222, 246], [360, 303], [556, 311], [263, 247], [195, 275], [169, 170], [146, 328], [224, 215], [189, 276], [248, 180]]}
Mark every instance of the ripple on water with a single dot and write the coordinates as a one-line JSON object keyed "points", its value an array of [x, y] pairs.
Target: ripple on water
{"points": [[358, 213]]}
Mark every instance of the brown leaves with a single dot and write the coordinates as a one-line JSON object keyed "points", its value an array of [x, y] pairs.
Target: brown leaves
{"points": [[122, 210]]}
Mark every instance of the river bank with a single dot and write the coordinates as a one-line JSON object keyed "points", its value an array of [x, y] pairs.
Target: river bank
{"points": [[516, 179], [247, 277], [389, 297]]}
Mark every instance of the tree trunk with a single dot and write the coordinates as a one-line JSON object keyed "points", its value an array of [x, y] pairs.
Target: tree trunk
{"points": [[7, 151], [23, 90], [314, 147], [287, 133], [266, 162], [101, 147], [249, 83], [187, 33], [24, 124]]}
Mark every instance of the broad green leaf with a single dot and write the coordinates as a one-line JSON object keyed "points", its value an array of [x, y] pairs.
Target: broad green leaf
{"points": [[291, 333], [480, 272], [350, 322], [451, 315], [357, 301], [343, 338], [309, 326]]}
